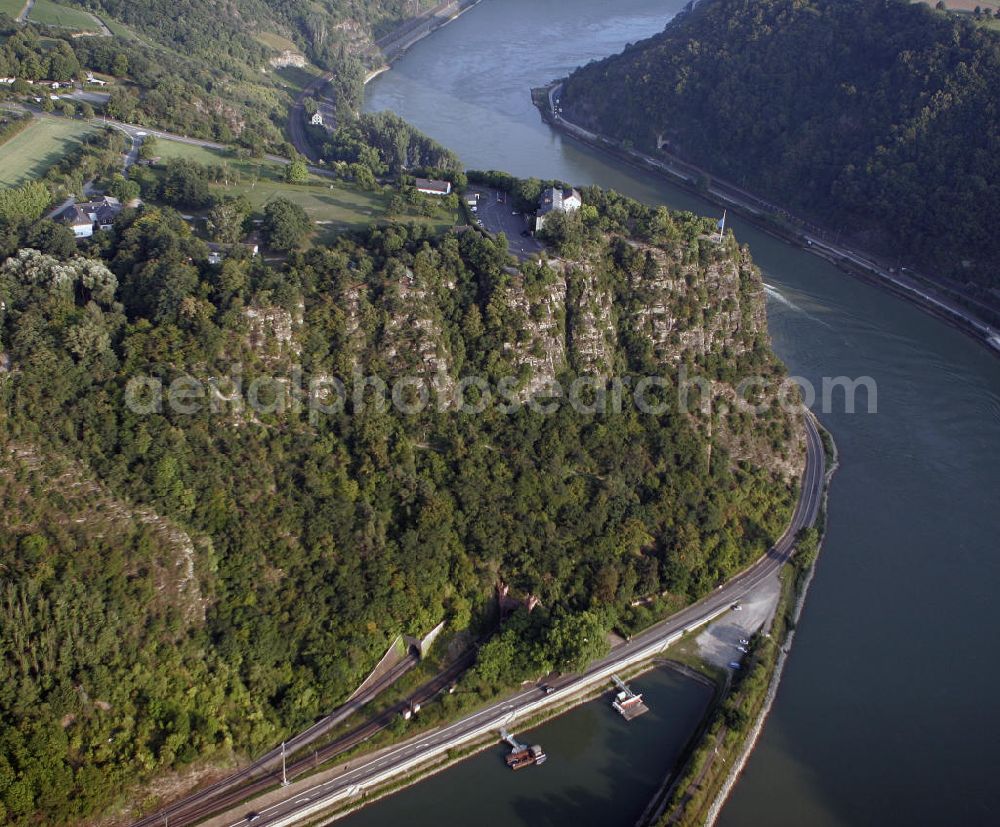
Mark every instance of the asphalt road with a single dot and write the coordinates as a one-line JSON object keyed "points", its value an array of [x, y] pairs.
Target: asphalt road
{"points": [[310, 761], [134, 130], [305, 804], [498, 216], [402, 37], [95, 98], [297, 117]]}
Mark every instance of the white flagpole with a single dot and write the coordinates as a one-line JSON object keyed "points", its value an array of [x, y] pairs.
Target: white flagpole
{"points": [[722, 229]]}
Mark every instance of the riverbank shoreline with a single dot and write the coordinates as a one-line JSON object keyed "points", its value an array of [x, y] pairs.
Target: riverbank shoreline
{"points": [[527, 706], [803, 590], [396, 44], [391, 47], [395, 54], [854, 263], [545, 716], [673, 797]]}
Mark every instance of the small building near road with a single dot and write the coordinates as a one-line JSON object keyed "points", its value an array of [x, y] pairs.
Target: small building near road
{"points": [[316, 119], [84, 217], [556, 200], [431, 186]]}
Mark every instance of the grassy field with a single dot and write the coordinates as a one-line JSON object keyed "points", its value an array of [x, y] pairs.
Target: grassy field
{"points": [[335, 205], [12, 8], [30, 153], [119, 29], [296, 78], [48, 13], [276, 42]]}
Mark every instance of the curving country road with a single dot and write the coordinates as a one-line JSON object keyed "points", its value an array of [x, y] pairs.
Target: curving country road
{"points": [[306, 804], [297, 119], [136, 132]]}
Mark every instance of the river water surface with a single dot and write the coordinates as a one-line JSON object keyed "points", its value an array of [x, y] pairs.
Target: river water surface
{"points": [[887, 713], [600, 770]]}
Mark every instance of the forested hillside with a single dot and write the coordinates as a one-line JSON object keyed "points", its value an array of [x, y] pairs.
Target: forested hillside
{"points": [[227, 34], [178, 584], [226, 72], [879, 120]]}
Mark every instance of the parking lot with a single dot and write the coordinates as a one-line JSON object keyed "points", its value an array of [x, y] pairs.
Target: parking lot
{"points": [[496, 212]]}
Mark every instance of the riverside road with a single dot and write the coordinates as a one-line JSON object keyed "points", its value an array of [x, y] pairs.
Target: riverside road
{"points": [[306, 804]]}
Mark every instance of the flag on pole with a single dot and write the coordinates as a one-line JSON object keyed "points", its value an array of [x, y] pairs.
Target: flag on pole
{"points": [[722, 225]]}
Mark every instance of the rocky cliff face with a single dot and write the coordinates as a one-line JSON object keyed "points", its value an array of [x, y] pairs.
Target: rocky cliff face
{"points": [[697, 312], [690, 312], [592, 329], [413, 340], [270, 332], [539, 351], [710, 318]]}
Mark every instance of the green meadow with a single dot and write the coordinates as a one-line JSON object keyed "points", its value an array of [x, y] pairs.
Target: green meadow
{"points": [[335, 205], [31, 152]]}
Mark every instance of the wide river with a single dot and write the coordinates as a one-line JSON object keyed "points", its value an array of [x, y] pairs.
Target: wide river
{"points": [[887, 713]]}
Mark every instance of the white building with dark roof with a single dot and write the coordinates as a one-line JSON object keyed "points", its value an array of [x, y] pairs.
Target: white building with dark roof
{"points": [[556, 200], [431, 186], [86, 216]]}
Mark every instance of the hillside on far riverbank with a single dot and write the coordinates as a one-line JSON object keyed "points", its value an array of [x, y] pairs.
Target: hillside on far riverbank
{"points": [[878, 121]]}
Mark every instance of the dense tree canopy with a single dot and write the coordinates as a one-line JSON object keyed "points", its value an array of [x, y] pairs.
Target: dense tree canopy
{"points": [[385, 143], [878, 119], [238, 570], [285, 224]]}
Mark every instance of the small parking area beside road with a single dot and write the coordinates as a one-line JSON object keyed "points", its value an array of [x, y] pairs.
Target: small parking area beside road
{"points": [[720, 642], [496, 212]]}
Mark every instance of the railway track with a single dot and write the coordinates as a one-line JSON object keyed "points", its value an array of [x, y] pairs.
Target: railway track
{"points": [[306, 764], [266, 770]]}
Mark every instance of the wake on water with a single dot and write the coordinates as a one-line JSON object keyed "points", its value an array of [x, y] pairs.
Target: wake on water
{"points": [[775, 293]]}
